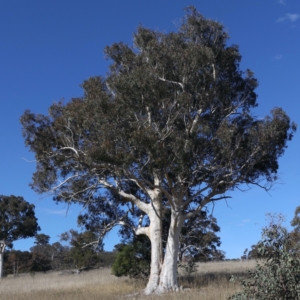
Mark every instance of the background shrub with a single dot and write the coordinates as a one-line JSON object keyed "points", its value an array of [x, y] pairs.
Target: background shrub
{"points": [[133, 259], [277, 275]]}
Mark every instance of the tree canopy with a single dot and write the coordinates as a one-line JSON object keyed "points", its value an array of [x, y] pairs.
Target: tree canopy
{"points": [[82, 251], [17, 219], [41, 239], [167, 131], [296, 220], [198, 239]]}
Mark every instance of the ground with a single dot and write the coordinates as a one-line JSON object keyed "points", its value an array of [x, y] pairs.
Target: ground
{"points": [[209, 283]]}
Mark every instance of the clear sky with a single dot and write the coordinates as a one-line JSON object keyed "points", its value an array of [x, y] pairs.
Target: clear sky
{"points": [[48, 47]]}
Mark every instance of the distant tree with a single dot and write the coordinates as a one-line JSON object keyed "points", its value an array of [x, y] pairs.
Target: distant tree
{"points": [[41, 239], [251, 254], [55, 253], [169, 130], [106, 258], [58, 254], [296, 220], [17, 221], [295, 233], [39, 262], [254, 252], [82, 251], [294, 239], [12, 261], [245, 254], [17, 261], [198, 239]]}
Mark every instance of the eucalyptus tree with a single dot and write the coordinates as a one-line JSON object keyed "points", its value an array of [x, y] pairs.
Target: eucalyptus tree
{"points": [[17, 221], [295, 233], [168, 130], [41, 239], [296, 220], [198, 239], [81, 252]]}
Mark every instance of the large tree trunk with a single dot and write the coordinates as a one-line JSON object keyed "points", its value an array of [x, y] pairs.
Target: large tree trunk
{"points": [[1, 265], [1, 260], [168, 275], [155, 236]]}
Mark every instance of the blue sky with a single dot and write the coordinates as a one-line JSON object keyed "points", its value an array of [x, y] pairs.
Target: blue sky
{"points": [[48, 47]]}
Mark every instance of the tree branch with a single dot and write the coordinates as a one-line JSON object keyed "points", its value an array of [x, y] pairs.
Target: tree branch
{"points": [[131, 198], [170, 81], [205, 201]]}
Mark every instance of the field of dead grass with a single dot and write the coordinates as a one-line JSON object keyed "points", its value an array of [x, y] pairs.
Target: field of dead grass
{"points": [[211, 282]]}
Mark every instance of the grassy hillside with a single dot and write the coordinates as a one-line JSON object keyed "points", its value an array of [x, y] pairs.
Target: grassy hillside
{"points": [[209, 283]]}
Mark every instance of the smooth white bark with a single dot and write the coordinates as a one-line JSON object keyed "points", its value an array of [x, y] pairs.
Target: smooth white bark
{"points": [[168, 275], [2, 248], [1, 265], [155, 236]]}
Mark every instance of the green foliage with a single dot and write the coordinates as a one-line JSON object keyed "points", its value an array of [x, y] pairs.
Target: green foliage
{"points": [[55, 253], [295, 234], [23, 261], [171, 123], [106, 258], [277, 276], [251, 254], [82, 252], [17, 219], [41, 239], [198, 239], [296, 220], [42, 258], [39, 263], [133, 259], [176, 103]]}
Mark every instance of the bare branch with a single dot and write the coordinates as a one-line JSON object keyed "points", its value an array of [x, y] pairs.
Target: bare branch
{"points": [[70, 148], [205, 201], [170, 81], [30, 161], [214, 72], [192, 197], [66, 180], [129, 197]]}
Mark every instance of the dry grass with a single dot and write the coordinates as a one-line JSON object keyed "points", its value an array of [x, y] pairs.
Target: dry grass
{"points": [[210, 283], [96, 284], [226, 266]]}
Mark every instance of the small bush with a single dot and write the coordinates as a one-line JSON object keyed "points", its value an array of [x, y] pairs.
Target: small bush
{"points": [[189, 267], [277, 276], [134, 259]]}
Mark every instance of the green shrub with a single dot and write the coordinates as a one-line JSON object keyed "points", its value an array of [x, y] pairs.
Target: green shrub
{"points": [[277, 275], [134, 259]]}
